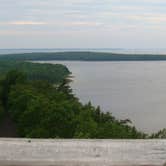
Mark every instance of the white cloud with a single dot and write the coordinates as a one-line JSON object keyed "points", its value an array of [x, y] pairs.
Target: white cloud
{"points": [[110, 17], [27, 23]]}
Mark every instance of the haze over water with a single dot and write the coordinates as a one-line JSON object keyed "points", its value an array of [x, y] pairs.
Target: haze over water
{"points": [[134, 90]]}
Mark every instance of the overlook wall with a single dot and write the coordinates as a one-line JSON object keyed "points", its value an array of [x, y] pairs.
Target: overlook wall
{"points": [[35, 152]]}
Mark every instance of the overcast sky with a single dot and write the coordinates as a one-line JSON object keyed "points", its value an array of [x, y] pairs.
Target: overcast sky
{"points": [[82, 23]]}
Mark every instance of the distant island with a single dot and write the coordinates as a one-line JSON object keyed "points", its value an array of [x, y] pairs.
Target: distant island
{"points": [[84, 56]]}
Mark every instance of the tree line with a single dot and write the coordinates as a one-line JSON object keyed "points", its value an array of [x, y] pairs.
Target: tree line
{"points": [[83, 56]]}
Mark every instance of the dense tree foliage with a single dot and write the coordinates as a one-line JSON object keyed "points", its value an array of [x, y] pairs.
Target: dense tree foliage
{"points": [[83, 56], [1, 111], [42, 110], [35, 71]]}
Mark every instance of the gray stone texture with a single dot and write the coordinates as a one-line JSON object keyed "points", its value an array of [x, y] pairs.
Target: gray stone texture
{"points": [[29, 152]]}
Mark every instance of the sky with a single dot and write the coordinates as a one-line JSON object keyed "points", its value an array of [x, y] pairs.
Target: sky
{"points": [[83, 24]]}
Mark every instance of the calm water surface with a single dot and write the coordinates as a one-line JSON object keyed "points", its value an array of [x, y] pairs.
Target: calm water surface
{"points": [[135, 90]]}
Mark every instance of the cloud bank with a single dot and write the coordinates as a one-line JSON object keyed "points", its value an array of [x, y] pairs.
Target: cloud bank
{"points": [[82, 23]]}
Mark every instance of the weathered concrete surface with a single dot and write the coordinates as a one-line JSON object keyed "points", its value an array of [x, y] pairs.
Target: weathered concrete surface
{"points": [[24, 152]]}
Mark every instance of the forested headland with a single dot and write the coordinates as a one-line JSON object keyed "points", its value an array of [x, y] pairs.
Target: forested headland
{"points": [[39, 109], [40, 103], [35, 71], [84, 56]]}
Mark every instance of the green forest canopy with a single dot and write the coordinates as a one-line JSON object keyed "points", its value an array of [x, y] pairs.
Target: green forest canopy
{"points": [[35, 71]]}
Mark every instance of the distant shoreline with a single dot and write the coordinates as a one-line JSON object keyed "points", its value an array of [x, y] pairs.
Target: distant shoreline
{"points": [[83, 56]]}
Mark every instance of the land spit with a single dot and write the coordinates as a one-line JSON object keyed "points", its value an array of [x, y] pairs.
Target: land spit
{"points": [[53, 152]]}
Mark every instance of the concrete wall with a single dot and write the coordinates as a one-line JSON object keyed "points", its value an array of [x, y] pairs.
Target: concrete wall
{"points": [[82, 152]]}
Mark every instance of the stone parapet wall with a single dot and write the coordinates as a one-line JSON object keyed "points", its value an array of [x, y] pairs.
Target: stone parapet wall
{"points": [[29, 152]]}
